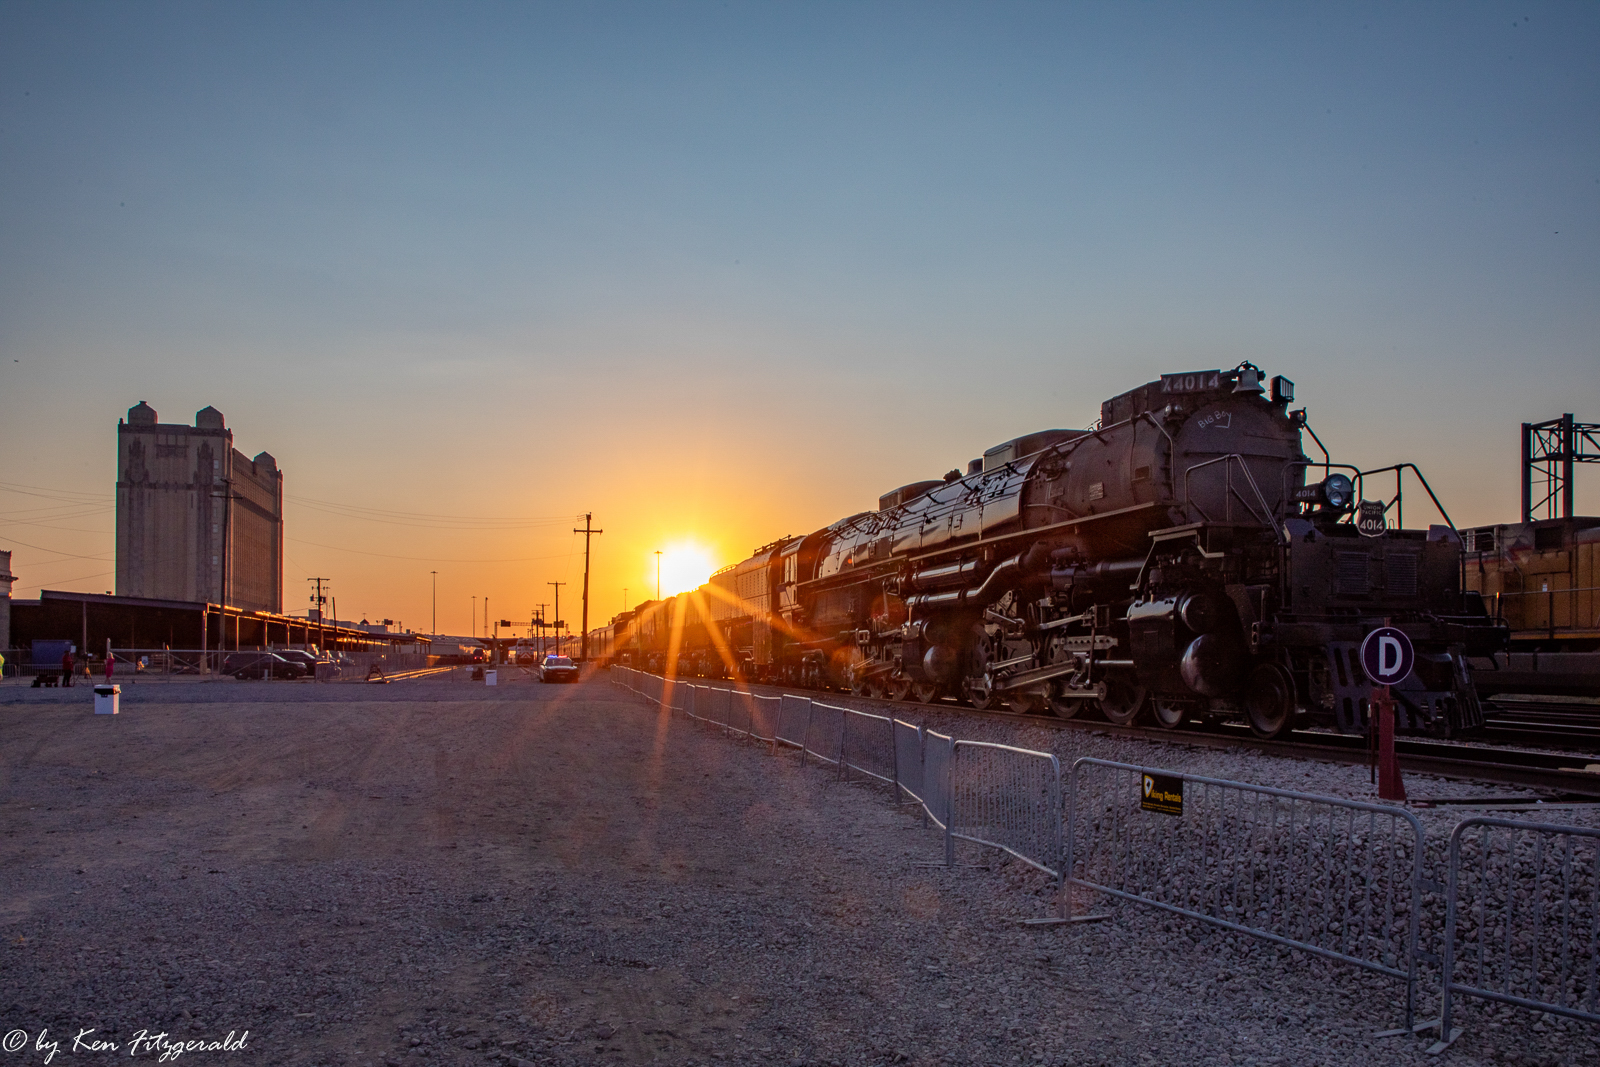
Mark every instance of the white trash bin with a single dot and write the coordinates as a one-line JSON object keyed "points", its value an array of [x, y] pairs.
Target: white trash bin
{"points": [[491, 677], [106, 699]]}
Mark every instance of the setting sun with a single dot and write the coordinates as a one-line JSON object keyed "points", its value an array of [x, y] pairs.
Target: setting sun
{"points": [[684, 566]]}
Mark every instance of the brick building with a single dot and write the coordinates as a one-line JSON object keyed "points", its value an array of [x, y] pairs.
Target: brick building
{"points": [[196, 519]]}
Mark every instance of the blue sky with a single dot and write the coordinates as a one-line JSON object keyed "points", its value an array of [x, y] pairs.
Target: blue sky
{"points": [[721, 272]]}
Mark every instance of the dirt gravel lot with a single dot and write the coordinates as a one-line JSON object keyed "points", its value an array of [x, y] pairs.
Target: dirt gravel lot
{"points": [[440, 873]]}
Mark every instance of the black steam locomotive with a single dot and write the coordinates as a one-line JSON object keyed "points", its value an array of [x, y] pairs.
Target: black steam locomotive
{"points": [[1176, 560]]}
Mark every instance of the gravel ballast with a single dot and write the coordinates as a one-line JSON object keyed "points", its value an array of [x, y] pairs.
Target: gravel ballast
{"points": [[440, 873]]}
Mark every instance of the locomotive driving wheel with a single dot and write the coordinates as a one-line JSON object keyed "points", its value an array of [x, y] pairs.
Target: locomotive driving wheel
{"points": [[1123, 701], [981, 694], [898, 688], [1030, 701], [1064, 707], [1169, 713], [977, 687], [1269, 701], [925, 692]]}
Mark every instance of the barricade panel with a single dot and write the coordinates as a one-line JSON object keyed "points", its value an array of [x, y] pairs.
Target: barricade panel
{"points": [[1338, 878], [740, 711], [763, 717], [867, 747], [908, 760], [1522, 918], [1007, 798], [937, 749], [825, 733], [794, 714]]}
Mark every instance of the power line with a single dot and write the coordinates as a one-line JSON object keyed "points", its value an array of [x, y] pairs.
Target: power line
{"points": [[420, 559]]}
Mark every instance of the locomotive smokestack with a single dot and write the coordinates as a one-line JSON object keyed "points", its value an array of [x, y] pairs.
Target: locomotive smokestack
{"points": [[975, 466]]}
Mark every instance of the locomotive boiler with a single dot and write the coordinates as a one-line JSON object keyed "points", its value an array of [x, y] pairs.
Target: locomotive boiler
{"points": [[1183, 558]]}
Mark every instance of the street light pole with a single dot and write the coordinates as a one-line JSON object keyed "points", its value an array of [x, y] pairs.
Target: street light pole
{"points": [[435, 602]]}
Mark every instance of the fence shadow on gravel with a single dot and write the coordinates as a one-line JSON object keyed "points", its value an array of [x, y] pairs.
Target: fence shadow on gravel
{"points": [[1343, 880]]}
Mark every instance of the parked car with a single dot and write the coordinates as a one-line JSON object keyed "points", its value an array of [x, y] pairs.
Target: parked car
{"points": [[244, 665], [557, 669], [300, 656]]}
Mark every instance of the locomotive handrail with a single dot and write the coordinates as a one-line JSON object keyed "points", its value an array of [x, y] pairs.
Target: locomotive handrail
{"points": [[1264, 516], [1399, 469]]}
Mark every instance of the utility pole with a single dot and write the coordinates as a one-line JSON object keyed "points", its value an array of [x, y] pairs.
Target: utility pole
{"points": [[435, 603], [540, 617], [658, 574], [558, 586], [588, 528], [319, 600], [474, 618]]}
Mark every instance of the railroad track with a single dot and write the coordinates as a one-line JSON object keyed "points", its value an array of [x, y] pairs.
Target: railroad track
{"points": [[1565, 722], [1569, 776]]}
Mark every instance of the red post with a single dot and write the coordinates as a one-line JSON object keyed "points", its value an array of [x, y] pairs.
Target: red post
{"points": [[1390, 786]]}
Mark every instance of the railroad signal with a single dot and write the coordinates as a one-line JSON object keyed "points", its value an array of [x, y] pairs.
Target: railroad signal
{"points": [[1387, 656]]}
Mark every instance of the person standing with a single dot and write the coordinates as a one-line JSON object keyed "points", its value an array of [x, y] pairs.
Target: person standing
{"points": [[66, 668], [110, 659]]}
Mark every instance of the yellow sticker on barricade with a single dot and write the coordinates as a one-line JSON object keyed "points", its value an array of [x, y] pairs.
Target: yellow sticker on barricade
{"points": [[1162, 793]]}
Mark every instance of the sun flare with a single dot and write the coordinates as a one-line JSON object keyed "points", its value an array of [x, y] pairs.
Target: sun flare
{"points": [[684, 566]]}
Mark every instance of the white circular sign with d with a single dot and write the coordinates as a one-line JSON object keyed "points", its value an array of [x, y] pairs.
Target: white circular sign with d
{"points": [[1387, 656]]}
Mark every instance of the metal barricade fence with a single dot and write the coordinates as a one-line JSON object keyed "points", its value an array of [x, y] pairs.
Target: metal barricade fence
{"points": [[794, 715], [908, 762], [824, 733], [1006, 798], [1338, 878], [1522, 919], [739, 711], [764, 717], [937, 752], [866, 746]]}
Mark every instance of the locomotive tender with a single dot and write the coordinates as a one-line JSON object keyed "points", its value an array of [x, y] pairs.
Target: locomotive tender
{"points": [[1173, 561]]}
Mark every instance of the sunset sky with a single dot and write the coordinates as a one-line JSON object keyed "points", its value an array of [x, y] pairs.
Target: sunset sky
{"points": [[719, 273]]}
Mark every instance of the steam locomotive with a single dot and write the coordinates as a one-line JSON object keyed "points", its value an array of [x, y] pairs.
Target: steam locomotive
{"points": [[1174, 561]]}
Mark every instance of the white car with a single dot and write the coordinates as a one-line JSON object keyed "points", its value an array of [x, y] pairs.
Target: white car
{"points": [[557, 669]]}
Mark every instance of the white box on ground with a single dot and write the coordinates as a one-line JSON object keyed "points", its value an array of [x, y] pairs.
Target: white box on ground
{"points": [[106, 699], [491, 677]]}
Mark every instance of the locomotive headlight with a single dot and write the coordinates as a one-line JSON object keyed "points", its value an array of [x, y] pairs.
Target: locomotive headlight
{"points": [[1338, 491]]}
